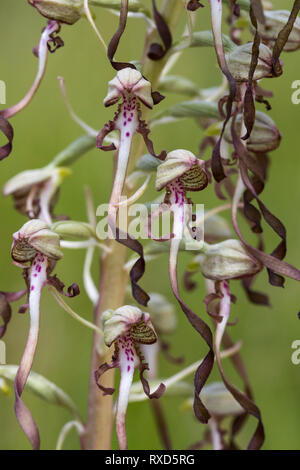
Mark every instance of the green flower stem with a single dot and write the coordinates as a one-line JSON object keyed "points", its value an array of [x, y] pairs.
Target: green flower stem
{"points": [[113, 282]]}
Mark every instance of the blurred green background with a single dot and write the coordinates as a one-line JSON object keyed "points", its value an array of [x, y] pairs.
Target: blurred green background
{"points": [[41, 131]]}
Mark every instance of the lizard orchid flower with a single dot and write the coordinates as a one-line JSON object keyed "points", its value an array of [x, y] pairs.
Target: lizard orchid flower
{"points": [[131, 332], [180, 172], [64, 11], [130, 86], [226, 260], [36, 249], [35, 191]]}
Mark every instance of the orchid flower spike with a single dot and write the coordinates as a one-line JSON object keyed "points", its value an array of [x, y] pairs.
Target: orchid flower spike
{"points": [[131, 332], [130, 86], [36, 249], [35, 191]]}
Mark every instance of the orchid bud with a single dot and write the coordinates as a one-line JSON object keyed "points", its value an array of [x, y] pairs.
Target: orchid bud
{"points": [[239, 61], [219, 401], [179, 84], [35, 191], [72, 230], [148, 163], [129, 82], [265, 137], [181, 165], [41, 387], [132, 333], [35, 236], [162, 313], [227, 260], [29, 178], [65, 11], [275, 22], [216, 228]]}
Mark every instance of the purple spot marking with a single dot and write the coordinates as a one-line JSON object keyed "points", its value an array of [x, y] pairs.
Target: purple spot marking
{"points": [[127, 134], [128, 368], [32, 288]]}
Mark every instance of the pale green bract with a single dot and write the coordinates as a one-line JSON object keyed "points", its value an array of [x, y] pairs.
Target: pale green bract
{"points": [[43, 388]]}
